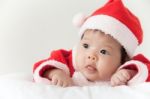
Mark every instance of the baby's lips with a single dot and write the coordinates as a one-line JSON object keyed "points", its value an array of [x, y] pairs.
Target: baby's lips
{"points": [[91, 68]]}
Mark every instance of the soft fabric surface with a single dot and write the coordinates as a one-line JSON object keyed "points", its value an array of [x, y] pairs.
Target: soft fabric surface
{"points": [[21, 86]]}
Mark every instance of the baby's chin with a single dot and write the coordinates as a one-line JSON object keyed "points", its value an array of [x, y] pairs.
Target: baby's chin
{"points": [[90, 77], [96, 78]]}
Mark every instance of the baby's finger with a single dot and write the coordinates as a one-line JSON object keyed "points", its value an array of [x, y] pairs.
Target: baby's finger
{"points": [[60, 83], [54, 81], [65, 84], [114, 81], [70, 84], [121, 78], [118, 80], [126, 75], [122, 83]]}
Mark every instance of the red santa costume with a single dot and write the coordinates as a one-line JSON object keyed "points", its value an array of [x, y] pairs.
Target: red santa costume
{"points": [[114, 19]]}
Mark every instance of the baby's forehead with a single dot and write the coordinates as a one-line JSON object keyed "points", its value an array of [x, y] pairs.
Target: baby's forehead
{"points": [[90, 32]]}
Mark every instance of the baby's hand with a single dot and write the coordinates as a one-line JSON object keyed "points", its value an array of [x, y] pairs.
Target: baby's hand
{"points": [[121, 77], [60, 78]]}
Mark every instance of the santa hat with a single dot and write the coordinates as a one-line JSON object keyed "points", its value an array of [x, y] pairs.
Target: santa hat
{"points": [[114, 19]]}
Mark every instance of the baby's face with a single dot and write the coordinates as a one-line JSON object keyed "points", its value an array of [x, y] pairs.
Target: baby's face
{"points": [[98, 56]]}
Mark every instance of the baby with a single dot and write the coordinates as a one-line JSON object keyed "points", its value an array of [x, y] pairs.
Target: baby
{"points": [[104, 53], [98, 56]]}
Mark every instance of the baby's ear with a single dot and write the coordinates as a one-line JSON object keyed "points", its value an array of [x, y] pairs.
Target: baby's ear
{"points": [[79, 19]]}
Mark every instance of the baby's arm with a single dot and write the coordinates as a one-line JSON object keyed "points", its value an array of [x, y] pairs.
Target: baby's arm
{"points": [[122, 76], [58, 77]]}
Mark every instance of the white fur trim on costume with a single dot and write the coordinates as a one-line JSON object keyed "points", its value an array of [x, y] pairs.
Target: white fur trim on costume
{"points": [[53, 63], [80, 80], [115, 28], [142, 74]]}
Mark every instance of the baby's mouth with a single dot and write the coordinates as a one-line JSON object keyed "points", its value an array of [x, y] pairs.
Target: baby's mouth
{"points": [[91, 68]]}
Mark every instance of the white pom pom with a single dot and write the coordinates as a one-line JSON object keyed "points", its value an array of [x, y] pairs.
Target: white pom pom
{"points": [[79, 19]]}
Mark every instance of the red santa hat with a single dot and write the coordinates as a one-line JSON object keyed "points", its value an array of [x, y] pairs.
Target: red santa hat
{"points": [[114, 19]]}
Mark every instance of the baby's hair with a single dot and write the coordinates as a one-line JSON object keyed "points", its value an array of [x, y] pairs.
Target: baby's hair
{"points": [[124, 55]]}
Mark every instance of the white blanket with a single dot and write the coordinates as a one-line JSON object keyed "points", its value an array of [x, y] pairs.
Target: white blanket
{"points": [[21, 86]]}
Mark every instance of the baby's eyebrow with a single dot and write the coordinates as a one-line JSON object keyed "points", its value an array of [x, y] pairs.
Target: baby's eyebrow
{"points": [[109, 46], [85, 38]]}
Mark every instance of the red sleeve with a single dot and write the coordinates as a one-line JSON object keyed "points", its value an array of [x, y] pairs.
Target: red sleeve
{"points": [[142, 65], [57, 59], [145, 61]]}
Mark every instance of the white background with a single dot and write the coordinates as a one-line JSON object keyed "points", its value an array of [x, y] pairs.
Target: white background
{"points": [[30, 29]]}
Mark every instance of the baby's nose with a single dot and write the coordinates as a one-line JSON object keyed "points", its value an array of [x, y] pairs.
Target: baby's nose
{"points": [[92, 58]]}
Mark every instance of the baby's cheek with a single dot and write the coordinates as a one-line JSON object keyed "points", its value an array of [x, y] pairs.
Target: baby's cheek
{"points": [[106, 70], [80, 62]]}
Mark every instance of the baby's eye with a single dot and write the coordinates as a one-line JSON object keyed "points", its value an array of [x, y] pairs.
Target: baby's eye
{"points": [[85, 45], [103, 51]]}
